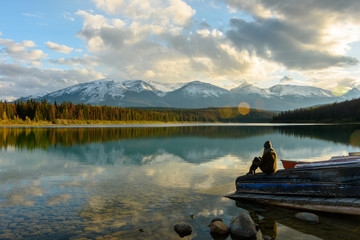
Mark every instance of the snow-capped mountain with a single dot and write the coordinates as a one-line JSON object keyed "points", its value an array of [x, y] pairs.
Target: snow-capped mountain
{"points": [[35, 96], [247, 89], [106, 92], [138, 93], [300, 91], [166, 87], [353, 93], [197, 95], [200, 89]]}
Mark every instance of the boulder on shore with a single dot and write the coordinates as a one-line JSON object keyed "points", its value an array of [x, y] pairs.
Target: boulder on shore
{"points": [[307, 217], [243, 227], [183, 229], [218, 229]]}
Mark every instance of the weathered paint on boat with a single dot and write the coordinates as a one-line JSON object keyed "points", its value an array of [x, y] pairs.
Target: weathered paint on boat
{"points": [[330, 188], [300, 189], [339, 174]]}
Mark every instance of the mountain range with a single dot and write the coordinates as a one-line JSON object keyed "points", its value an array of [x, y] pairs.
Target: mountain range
{"points": [[138, 93]]}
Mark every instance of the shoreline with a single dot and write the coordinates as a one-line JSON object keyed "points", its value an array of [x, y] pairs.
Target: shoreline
{"points": [[98, 124]]}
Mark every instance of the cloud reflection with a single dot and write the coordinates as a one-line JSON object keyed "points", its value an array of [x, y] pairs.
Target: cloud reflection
{"points": [[123, 185], [58, 199]]}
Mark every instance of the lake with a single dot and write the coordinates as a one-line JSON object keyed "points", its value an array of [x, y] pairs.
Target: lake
{"points": [[138, 181]]}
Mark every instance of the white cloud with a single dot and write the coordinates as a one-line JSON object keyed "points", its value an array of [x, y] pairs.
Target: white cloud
{"points": [[92, 21], [29, 44], [161, 40], [34, 15], [18, 81], [332, 78], [159, 12], [252, 6], [77, 61], [68, 16], [58, 48], [338, 36], [298, 35], [20, 51], [287, 78], [155, 53], [255, 51]]}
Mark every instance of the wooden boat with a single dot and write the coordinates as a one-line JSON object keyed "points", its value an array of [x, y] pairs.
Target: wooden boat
{"points": [[287, 164], [331, 188], [353, 157]]}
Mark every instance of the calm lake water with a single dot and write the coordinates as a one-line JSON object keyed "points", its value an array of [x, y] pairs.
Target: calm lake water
{"points": [[138, 182]]}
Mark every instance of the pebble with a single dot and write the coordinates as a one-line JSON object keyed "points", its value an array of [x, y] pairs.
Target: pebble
{"points": [[218, 228], [307, 217], [183, 229], [243, 227]]}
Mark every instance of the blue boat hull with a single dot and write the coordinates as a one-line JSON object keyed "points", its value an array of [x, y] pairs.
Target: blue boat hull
{"points": [[329, 181]]}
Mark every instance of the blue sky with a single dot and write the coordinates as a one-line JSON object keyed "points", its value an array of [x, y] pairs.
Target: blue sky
{"points": [[49, 45]]}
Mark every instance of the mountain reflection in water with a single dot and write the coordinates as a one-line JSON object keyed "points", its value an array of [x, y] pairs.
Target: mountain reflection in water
{"points": [[107, 183]]}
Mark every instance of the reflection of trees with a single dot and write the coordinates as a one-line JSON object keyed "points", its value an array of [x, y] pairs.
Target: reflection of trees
{"points": [[32, 138], [333, 133]]}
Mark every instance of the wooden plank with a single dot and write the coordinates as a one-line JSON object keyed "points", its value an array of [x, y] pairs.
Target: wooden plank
{"points": [[288, 199], [300, 200], [331, 201], [308, 189], [316, 200], [356, 203], [346, 201]]}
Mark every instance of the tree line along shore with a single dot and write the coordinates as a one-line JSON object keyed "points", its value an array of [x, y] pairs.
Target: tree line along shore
{"points": [[34, 112], [342, 112]]}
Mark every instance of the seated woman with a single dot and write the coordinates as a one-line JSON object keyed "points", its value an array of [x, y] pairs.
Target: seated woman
{"points": [[267, 163]]}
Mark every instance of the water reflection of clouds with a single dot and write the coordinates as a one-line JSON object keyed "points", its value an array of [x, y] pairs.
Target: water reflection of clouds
{"points": [[126, 185], [164, 169], [203, 153], [22, 194], [213, 212], [58, 199], [167, 170], [28, 179]]}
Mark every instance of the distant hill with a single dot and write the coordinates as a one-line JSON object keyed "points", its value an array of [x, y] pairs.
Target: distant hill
{"points": [[138, 93], [347, 111]]}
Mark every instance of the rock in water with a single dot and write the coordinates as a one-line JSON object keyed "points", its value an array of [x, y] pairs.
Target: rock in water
{"points": [[243, 227], [183, 229], [216, 219], [307, 217], [218, 229]]}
